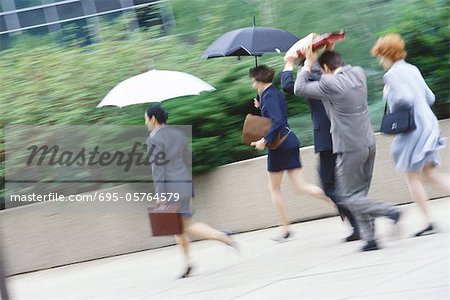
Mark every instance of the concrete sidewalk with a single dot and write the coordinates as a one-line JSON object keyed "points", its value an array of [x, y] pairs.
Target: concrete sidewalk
{"points": [[315, 265]]}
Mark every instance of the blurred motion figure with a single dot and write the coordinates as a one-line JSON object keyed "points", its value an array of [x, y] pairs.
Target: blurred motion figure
{"points": [[414, 152], [287, 156], [322, 140], [343, 91], [174, 176]]}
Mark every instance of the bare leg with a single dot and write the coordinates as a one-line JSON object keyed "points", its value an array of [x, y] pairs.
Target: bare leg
{"points": [[438, 179], [275, 192], [183, 241], [418, 193], [204, 231], [296, 176]]}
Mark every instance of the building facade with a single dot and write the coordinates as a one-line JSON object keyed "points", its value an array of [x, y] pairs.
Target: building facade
{"points": [[51, 16]]}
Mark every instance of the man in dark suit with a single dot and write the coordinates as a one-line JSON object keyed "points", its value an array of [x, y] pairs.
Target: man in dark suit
{"points": [[322, 141]]}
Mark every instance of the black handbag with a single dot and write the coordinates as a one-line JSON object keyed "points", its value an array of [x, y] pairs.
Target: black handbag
{"points": [[399, 121]]}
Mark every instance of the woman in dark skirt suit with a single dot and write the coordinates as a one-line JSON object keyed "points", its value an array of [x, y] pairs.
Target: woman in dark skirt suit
{"points": [[287, 156], [174, 176]]}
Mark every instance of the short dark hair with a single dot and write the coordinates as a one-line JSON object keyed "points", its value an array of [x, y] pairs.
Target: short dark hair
{"points": [[160, 113], [332, 59], [262, 73]]}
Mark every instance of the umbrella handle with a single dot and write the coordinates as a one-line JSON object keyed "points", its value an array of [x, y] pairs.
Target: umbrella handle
{"points": [[256, 57]]}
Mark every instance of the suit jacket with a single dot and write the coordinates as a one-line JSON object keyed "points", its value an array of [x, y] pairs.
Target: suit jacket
{"points": [[405, 87], [274, 106], [344, 96], [321, 123], [171, 161]]}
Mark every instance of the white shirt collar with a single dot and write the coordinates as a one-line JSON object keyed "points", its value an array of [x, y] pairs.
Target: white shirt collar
{"points": [[337, 70]]}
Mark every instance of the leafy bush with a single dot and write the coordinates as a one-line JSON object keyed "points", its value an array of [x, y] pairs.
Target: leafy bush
{"points": [[425, 27]]}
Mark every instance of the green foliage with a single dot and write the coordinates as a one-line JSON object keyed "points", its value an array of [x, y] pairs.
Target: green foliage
{"points": [[425, 27]]}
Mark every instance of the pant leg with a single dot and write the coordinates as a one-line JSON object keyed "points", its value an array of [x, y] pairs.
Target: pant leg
{"points": [[353, 178], [366, 226], [376, 208], [327, 174], [369, 165], [350, 217]]}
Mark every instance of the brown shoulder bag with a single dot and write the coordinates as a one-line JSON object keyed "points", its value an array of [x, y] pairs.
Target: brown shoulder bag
{"points": [[256, 127]]}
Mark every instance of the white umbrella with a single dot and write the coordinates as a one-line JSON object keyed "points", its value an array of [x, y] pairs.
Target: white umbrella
{"points": [[154, 86]]}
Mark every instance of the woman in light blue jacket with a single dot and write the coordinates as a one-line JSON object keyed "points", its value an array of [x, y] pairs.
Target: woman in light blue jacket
{"points": [[414, 152]]}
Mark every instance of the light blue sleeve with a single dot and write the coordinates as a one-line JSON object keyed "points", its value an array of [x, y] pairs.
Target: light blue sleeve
{"points": [[397, 91], [429, 95]]}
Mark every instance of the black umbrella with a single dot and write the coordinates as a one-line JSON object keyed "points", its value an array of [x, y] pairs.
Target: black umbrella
{"points": [[251, 41]]}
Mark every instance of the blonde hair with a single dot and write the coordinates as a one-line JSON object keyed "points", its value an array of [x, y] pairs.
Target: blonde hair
{"points": [[391, 46]]}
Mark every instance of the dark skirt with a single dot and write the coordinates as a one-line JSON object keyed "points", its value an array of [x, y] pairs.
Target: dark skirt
{"points": [[283, 159]]}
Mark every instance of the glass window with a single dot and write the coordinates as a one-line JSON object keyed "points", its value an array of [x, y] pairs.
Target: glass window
{"points": [[70, 10], [137, 2], [27, 3], [31, 17], [38, 31], [107, 5], [4, 41], [2, 24]]}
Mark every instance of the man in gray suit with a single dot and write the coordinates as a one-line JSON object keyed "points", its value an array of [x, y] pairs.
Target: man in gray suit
{"points": [[343, 90]]}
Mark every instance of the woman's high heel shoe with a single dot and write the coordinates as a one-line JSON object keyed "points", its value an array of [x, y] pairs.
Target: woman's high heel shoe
{"points": [[427, 231], [186, 273]]}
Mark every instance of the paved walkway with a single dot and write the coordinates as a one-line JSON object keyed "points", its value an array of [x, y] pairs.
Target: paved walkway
{"points": [[315, 265]]}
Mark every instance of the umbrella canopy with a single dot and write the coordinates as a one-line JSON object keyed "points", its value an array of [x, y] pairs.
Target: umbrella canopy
{"points": [[251, 41], [154, 86]]}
